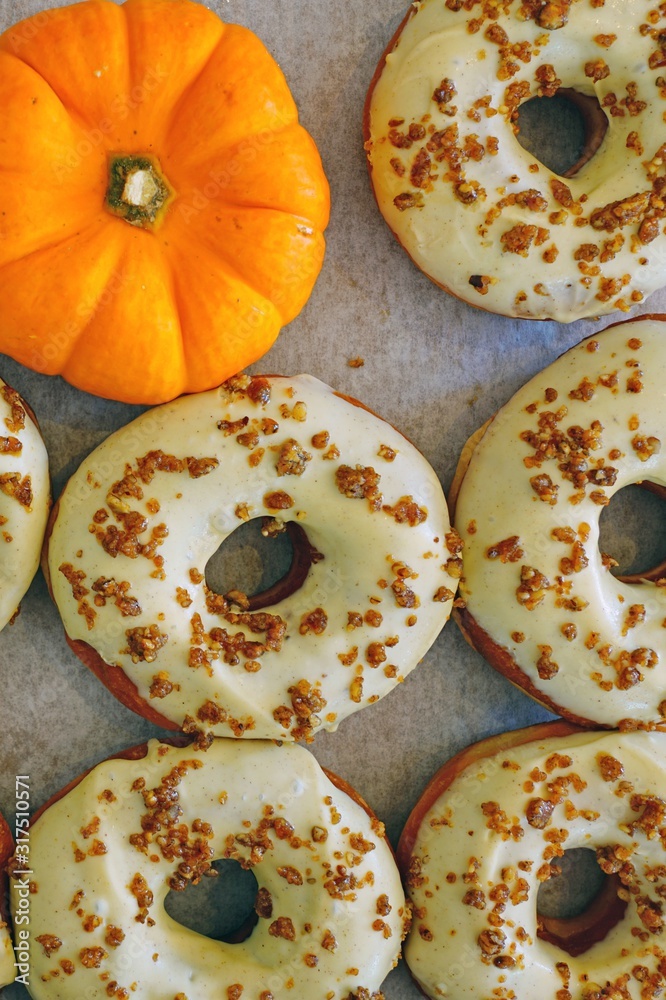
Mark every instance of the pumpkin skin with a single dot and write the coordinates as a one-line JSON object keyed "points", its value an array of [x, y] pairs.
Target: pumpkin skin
{"points": [[144, 312]]}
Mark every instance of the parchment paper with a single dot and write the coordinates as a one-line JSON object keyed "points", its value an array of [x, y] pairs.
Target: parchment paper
{"points": [[434, 367]]}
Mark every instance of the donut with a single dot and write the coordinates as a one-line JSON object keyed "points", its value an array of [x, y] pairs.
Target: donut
{"points": [[330, 909], [25, 497], [478, 213], [540, 601], [371, 585], [7, 970], [488, 832]]}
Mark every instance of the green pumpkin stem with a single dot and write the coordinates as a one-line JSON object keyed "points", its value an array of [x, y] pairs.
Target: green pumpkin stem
{"points": [[137, 190]]}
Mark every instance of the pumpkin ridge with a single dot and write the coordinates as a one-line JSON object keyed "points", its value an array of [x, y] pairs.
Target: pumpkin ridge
{"points": [[202, 33], [86, 125], [257, 206], [80, 335], [228, 267], [77, 233], [308, 160], [310, 263], [93, 310], [195, 381], [69, 112], [56, 300], [178, 304], [286, 115], [189, 86], [73, 370], [54, 244], [137, 314]]}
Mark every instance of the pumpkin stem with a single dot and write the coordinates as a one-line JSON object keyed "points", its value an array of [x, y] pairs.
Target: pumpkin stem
{"points": [[137, 190]]}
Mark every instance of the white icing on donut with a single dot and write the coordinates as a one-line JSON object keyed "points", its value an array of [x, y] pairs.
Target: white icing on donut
{"points": [[6, 958], [471, 206], [7, 970], [367, 612], [482, 851], [324, 871], [25, 494], [528, 512]]}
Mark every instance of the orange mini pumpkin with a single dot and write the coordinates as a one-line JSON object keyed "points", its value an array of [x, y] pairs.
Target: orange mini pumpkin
{"points": [[161, 209]]}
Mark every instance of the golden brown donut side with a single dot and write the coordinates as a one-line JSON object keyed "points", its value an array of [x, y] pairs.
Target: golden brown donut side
{"points": [[494, 652], [574, 935]]}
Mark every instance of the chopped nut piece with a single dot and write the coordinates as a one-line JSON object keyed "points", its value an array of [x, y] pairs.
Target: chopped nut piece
{"points": [[321, 439], [491, 942], [12, 485], [359, 483], [407, 511], [544, 488], [283, 927], [621, 213], [356, 690], [407, 200], [49, 943], [519, 239], [293, 459], [144, 643], [92, 958], [16, 421], [278, 500], [445, 93], [508, 550], [539, 813], [314, 621]]}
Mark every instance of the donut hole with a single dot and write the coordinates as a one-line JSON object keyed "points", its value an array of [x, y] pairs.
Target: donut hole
{"points": [[562, 132], [262, 561], [220, 906], [632, 532], [579, 905], [571, 892]]}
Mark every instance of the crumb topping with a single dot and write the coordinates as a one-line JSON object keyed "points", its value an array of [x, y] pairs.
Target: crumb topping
{"points": [[359, 483], [500, 867], [12, 484], [439, 155], [151, 610], [293, 459], [144, 643]]}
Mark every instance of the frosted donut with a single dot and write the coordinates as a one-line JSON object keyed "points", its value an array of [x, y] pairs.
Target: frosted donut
{"points": [[330, 907], [488, 831], [473, 209], [7, 970], [541, 603], [137, 524], [25, 496]]}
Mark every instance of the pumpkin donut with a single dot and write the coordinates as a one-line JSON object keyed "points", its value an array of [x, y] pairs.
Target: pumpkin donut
{"points": [[488, 832], [162, 209], [25, 498], [372, 583], [330, 910], [474, 209], [7, 968], [540, 601]]}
